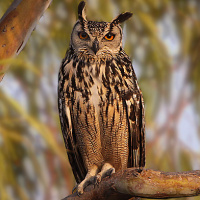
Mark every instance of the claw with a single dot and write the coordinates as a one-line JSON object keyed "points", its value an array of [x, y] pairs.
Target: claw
{"points": [[78, 194], [110, 172], [97, 180], [74, 189]]}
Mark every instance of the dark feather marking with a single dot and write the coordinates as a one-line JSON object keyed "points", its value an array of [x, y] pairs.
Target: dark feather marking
{"points": [[128, 95], [132, 113], [88, 63], [61, 85], [67, 92], [113, 67], [126, 60], [86, 73], [61, 80], [120, 66], [97, 70], [63, 69], [113, 121], [107, 113], [117, 89], [69, 144], [104, 81], [117, 106], [134, 128], [85, 84], [73, 80], [95, 125], [91, 80], [108, 62], [108, 93], [88, 108], [126, 84], [85, 94], [107, 70], [142, 135], [122, 70], [102, 62], [86, 119], [66, 76], [130, 157], [80, 67], [74, 63], [78, 107], [101, 91], [111, 99], [113, 81]]}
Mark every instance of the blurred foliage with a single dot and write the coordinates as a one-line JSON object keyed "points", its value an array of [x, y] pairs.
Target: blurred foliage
{"points": [[162, 38]]}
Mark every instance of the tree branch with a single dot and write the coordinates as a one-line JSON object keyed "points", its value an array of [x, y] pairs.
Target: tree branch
{"points": [[16, 26], [147, 183]]}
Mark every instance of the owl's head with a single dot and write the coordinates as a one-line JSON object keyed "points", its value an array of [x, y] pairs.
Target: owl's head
{"points": [[97, 39]]}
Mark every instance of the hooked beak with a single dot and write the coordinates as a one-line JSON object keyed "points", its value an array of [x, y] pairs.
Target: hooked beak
{"points": [[95, 46]]}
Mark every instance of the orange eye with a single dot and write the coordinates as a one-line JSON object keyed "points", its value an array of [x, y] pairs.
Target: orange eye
{"points": [[83, 35], [109, 36]]}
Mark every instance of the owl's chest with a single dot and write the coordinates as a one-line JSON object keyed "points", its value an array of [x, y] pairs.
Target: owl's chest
{"points": [[96, 82]]}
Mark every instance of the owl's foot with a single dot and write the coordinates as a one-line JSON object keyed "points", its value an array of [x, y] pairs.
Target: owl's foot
{"points": [[89, 179], [107, 170]]}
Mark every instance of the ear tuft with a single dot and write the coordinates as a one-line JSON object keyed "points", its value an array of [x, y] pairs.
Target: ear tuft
{"points": [[121, 18], [81, 11]]}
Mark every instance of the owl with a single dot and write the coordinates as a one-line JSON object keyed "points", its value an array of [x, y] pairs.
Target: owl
{"points": [[101, 107]]}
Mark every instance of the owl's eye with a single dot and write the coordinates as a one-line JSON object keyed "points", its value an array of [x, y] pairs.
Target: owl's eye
{"points": [[109, 36], [83, 35]]}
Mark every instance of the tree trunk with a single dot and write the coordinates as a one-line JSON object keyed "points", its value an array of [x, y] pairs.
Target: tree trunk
{"points": [[16, 27]]}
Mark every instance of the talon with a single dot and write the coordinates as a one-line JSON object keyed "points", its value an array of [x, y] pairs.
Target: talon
{"points": [[97, 180], [74, 189], [78, 194], [110, 172]]}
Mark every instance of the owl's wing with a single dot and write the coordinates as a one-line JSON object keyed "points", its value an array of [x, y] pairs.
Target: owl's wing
{"points": [[74, 155], [134, 104], [135, 111]]}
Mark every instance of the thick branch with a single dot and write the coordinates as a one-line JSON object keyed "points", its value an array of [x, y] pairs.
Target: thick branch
{"points": [[147, 183], [16, 26]]}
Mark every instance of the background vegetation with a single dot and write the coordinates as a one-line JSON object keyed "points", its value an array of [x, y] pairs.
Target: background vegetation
{"points": [[163, 40]]}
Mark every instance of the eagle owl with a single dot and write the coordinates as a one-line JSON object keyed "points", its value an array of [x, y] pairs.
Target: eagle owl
{"points": [[100, 104]]}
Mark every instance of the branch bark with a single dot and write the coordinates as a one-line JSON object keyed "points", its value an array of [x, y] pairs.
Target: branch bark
{"points": [[17, 25], [146, 183]]}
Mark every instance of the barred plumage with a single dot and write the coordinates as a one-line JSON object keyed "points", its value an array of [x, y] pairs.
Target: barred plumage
{"points": [[100, 104]]}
